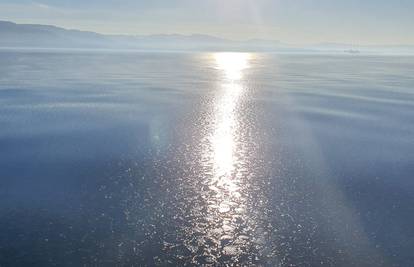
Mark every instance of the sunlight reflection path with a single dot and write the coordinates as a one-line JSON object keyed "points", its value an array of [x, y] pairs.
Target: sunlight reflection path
{"points": [[225, 135], [225, 228]]}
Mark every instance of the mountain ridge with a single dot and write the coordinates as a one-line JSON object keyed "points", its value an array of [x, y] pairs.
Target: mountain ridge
{"points": [[50, 36]]}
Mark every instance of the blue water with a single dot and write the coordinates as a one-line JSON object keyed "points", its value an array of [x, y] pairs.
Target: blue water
{"points": [[131, 159]]}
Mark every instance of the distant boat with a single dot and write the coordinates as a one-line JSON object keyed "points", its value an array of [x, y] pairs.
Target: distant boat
{"points": [[352, 51]]}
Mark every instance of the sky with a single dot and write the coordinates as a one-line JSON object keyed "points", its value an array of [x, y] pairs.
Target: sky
{"points": [[361, 22]]}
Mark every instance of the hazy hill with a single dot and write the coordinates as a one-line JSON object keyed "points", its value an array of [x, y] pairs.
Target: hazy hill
{"points": [[32, 35], [46, 36]]}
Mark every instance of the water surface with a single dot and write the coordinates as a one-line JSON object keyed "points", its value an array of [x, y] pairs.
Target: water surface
{"points": [[138, 159]]}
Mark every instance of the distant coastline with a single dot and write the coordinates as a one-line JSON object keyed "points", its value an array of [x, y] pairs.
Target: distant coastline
{"points": [[34, 36]]}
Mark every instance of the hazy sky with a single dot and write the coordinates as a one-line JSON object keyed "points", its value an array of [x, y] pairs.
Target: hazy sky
{"points": [[292, 21]]}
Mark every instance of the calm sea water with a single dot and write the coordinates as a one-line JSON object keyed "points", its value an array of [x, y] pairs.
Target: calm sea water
{"points": [[132, 159]]}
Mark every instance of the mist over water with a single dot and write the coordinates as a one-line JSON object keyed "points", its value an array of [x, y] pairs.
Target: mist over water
{"points": [[168, 159]]}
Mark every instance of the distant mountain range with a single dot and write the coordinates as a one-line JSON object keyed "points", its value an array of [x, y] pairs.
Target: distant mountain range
{"points": [[14, 35], [46, 36]]}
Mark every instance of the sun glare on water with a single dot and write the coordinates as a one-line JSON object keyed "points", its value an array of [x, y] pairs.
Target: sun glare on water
{"points": [[232, 64], [224, 139], [224, 157]]}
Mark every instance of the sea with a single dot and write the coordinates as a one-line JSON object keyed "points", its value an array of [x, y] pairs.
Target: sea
{"points": [[128, 158]]}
